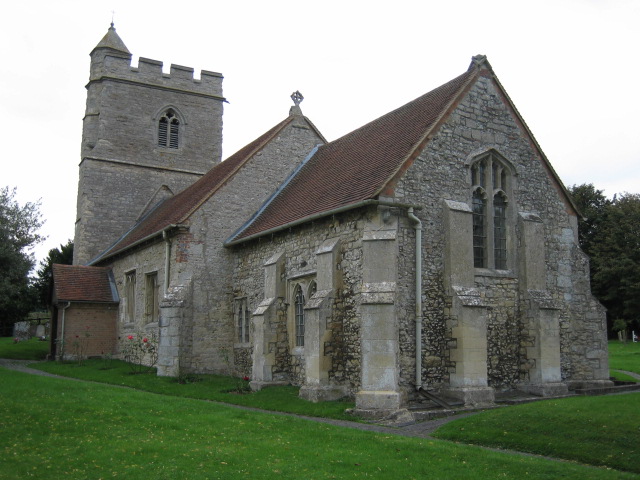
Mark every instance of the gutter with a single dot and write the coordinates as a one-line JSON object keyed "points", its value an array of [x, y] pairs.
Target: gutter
{"points": [[62, 330], [138, 242], [167, 257]]}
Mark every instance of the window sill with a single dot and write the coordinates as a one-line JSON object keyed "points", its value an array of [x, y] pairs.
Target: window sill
{"points": [[487, 272], [242, 345], [298, 351]]}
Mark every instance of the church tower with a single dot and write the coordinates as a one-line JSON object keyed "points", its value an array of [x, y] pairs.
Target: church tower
{"points": [[146, 135]]}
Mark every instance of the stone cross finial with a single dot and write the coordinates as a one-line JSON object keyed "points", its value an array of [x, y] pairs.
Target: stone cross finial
{"points": [[297, 98]]}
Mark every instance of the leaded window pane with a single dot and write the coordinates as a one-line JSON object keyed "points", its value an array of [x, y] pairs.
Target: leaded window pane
{"points": [[299, 316], [479, 231], [500, 232]]}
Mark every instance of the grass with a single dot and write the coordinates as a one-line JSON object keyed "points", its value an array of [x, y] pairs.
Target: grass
{"points": [[624, 356], [32, 349], [56, 428], [594, 430], [622, 377], [207, 387]]}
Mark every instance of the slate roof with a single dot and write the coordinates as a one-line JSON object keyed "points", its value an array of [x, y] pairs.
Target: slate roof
{"points": [[177, 209], [359, 165], [76, 283]]}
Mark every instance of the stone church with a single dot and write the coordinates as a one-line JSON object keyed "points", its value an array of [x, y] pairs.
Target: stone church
{"points": [[432, 251]]}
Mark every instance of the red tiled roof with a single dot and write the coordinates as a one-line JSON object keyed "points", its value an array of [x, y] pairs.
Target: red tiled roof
{"points": [[177, 209], [76, 283], [357, 166]]}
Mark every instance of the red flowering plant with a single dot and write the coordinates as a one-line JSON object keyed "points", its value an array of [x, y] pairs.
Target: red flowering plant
{"points": [[140, 352]]}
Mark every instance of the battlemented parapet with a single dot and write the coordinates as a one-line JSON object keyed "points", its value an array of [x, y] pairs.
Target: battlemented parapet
{"points": [[149, 71], [144, 131]]}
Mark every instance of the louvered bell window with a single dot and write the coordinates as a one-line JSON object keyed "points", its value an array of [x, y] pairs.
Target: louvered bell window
{"points": [[169, 130]]}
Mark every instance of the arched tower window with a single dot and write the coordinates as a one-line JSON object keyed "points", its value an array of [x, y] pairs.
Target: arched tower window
{"points": [[169, 130], [299, 315], [490, 177]]}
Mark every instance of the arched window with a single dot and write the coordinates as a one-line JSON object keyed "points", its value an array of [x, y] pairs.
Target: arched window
{"points": [[313, 288], [489, 186], [243, 318], [299, 316], [169, 130]]}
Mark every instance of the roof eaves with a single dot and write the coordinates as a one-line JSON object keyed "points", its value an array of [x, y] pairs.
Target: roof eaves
{"points": [[149, 237]]}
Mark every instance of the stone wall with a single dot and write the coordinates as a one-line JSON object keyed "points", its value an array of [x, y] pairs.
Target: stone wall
{"points": [[122, 166], [483, 122], [198, 302], [299, 249]]}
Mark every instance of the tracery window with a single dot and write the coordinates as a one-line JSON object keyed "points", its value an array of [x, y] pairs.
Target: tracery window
{"points": [[298, 302], [489, 186], [169, 130], [243, 318]]}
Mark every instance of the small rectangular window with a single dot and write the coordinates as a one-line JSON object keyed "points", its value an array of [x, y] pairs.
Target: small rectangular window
{"points": [[130, 297], [151, 297]]}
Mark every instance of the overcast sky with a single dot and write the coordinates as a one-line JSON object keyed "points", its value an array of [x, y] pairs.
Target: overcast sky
{"points": [[570, 66]]}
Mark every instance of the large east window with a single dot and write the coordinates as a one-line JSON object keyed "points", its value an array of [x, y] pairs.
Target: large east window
{"points": [[489, 186]]}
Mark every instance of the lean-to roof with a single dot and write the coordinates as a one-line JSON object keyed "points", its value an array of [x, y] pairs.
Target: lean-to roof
{"points": [[77, 283]]}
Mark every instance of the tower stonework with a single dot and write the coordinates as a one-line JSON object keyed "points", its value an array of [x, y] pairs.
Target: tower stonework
{"points": [[146, 135]]}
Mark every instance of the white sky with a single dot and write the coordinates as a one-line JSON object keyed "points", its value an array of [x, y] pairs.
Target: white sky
{"points": [[570, 66]]}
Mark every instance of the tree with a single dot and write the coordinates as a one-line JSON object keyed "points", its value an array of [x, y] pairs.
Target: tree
{"points": [[593, 206], [44, 281], [616, 269], [19, 225], [610, 234]]}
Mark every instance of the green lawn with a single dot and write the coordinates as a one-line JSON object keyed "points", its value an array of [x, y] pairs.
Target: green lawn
{"points": [[33, 349], [55, 428], [624, 356], [207, 387], [601, 430], [622, 376]]}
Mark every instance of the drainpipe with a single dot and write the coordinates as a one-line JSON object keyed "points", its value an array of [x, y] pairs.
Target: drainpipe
{"points": [[167, 256], [418, 228], [62, 329]]}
